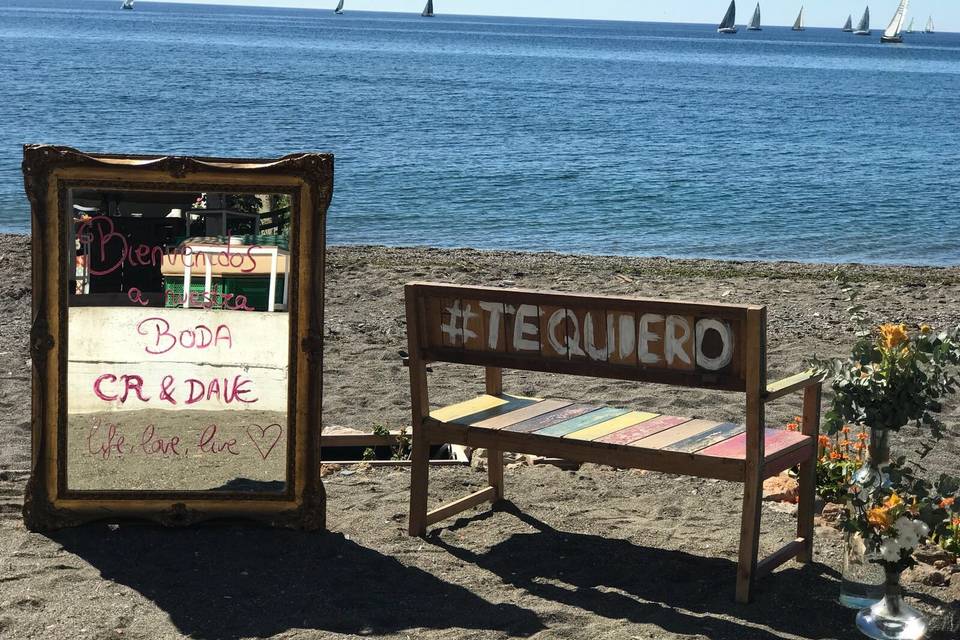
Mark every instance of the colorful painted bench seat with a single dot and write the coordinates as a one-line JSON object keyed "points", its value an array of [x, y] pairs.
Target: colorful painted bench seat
{"points": [[608, 428], [709, 346]]}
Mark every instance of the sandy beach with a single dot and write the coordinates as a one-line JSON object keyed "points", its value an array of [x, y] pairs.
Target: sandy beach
{"points": [[590, 553]]}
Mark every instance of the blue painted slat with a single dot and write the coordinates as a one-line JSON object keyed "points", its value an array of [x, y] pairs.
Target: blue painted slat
{"points": [[709, 437]]}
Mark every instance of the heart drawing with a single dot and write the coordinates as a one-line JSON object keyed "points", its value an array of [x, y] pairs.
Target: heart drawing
{"points": [[262, 436]]}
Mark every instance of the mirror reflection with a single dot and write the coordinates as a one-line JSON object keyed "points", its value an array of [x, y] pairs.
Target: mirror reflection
{"points": [[178, 340]]}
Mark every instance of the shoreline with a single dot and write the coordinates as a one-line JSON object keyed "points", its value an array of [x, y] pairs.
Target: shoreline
{"points": [[664, 264]]}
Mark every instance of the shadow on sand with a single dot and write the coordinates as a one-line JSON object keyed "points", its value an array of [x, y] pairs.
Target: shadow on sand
{"points": [[675, 591], [223, 583]]}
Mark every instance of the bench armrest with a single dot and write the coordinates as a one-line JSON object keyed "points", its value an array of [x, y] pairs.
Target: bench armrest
{"points": [[796, 382]]}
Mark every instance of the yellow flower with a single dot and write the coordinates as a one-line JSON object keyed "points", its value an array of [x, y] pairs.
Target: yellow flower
{"points": [[925, 329], [892, 501], [879, 517], [893, 335]]}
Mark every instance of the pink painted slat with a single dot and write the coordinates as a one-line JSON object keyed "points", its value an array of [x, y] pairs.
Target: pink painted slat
{"points": [[642, 429], [775, 440]]}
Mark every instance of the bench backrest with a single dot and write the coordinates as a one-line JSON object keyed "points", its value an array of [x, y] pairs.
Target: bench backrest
{"points": [[714, 346]]}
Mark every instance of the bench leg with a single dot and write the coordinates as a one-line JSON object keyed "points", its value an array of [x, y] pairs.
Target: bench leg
{"points": [[495, 472], [749, 536], [419, 477], [808, 473]]}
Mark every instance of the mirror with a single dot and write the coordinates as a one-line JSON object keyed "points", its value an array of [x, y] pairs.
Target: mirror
{"points": [[177, 362], [177, 338]]}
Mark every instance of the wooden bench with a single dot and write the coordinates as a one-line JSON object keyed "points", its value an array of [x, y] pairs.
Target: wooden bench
{"points": [[711, 346]]}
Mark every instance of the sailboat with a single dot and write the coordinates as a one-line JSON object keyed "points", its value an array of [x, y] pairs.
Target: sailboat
{"points": [[755, 20], [848, 25], [727, 25], [892, 32], [798, 25], [339, 9], [929, 27], [910, 28], [126, 4], [863, 29], [428, 10]]}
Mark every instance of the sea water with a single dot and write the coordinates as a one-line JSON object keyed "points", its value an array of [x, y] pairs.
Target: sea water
{"points": [[503, 133]]}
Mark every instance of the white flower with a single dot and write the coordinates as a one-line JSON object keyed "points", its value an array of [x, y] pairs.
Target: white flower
{"points": [[890, 549], [906, 532], [922, 529]]}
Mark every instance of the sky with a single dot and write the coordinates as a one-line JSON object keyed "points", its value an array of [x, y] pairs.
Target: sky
{"points": [[818, 13]]}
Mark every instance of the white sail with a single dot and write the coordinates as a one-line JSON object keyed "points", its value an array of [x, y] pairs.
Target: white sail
{"points": [[730, 17], [798, 25], [929, 27], [910, 26], [896, 24], [339, 8], [864, 26], [755, 20], [848, 25], [126, 4]]}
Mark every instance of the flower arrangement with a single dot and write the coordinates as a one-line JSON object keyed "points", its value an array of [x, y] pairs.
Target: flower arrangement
{"points": [[894, 520], [894, 376]]}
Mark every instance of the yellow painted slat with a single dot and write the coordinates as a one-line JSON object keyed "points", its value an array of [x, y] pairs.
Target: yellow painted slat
{"points": [[614, 424], [675, 434], [512, 404], [461, 409]]}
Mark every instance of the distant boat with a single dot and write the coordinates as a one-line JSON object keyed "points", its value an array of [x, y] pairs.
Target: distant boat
{"points": [[848, 25], [126, 4], [727, 25], [910, 28], [798, 25], [929, 27], [863, 29], [755, 20], [339, 9], [428, 10], [892, 32]]}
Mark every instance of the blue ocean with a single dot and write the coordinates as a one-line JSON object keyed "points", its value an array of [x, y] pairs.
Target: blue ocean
{"points": [[501, 133]]}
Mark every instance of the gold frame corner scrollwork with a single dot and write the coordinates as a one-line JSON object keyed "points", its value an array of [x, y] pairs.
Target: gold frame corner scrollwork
{"points": [[306, 176]]}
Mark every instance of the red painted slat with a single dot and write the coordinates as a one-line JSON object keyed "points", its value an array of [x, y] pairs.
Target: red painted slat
{"points": [[642, 429], [776, 440]]}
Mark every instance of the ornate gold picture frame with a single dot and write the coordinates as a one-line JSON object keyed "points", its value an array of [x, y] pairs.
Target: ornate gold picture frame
{"points": [[156, 394]]}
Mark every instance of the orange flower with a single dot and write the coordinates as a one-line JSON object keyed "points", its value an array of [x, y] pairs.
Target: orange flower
{"points": [[824, 441], [862, 436], [845, 429], [947, 502], [955, 522], [893, 501], [793, 426], [834, 455], [893, 335], [879, 517], [859, 446]]}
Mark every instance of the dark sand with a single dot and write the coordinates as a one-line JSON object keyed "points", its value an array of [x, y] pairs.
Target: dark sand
{"points": [[594, 553]]}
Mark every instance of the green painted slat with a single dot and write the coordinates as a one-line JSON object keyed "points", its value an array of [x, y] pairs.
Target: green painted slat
{"points": [[582, 422], [554, 417], [709, 437]]}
